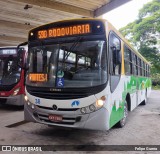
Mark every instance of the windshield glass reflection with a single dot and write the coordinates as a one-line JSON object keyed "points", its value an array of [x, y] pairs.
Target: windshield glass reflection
{"points": [[68, 65], [9, 69]]}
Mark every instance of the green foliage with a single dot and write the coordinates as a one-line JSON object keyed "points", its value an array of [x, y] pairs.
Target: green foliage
{"points": [[146, 29], [152, 55], [156, 80], [157, 87], [149, 9], [144, 35]]}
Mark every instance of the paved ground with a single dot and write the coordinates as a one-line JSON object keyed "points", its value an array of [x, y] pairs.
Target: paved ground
{"points": [[142, 128]]}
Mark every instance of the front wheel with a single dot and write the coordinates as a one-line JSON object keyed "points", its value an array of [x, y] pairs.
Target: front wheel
{"points": [[122, 122]]}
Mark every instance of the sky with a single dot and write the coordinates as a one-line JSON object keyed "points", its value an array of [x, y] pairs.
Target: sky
{"points": [[125, 14]]}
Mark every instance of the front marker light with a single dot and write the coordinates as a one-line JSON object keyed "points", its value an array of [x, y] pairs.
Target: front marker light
{"points": [[16, 91], [32, 106]]}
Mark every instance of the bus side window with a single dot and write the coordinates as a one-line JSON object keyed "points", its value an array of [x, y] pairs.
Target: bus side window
{"points": [[140, 66], [127, 61], [115, 48], [134, 64]]}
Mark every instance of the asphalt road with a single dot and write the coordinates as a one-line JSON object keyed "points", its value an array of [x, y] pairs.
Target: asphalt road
{"points": [[142, 128]]}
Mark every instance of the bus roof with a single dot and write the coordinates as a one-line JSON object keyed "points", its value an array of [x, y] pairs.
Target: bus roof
{"points": [[104, 22]]}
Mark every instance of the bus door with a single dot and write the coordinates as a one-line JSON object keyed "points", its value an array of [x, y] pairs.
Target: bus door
{"points": [[116, 83], [115, 61]]}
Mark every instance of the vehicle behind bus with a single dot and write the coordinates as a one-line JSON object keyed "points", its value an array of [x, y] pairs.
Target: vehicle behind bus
{"points": [[12, 76]]}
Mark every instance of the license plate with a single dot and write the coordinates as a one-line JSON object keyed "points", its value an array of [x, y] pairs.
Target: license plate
{"points": [[55, 118]]}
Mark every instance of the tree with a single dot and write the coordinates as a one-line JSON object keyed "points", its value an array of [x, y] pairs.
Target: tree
{"points": [[144, 33]]}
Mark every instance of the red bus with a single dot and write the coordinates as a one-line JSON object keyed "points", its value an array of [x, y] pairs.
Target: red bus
{"points": [[11, 75]]}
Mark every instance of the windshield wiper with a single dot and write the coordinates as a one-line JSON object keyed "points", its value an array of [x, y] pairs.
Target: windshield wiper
{"points": [[73, 46]]}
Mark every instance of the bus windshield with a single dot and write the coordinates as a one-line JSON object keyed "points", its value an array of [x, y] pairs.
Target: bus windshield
{"points": [[9, 69], [69, 64]]}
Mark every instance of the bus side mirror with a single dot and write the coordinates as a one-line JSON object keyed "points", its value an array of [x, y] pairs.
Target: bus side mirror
{"points": [[22, 56], [25, 64]]}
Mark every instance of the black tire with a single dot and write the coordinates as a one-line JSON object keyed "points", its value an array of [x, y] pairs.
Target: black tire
{"points": [[122, 122], [3, 102]]}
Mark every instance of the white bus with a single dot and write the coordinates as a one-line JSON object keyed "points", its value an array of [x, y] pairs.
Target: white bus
{"points": [[83, 74]]}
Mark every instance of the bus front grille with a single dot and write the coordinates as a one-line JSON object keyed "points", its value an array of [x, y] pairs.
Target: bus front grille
{"points": [[3, 100], [57, 95], [6, 87], [61, 94], [59, 109], [65, 120]]}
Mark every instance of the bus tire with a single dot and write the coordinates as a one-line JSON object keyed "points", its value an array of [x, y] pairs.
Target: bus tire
{"points": [[3, 102], [122, 122]]}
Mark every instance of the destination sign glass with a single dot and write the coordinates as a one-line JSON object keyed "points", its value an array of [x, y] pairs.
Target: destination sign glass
{"points": [[7, 51], [38, 77], [64, 31], [67, 29]]}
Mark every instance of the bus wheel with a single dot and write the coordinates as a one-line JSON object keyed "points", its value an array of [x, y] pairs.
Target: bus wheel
{"points": [[122, 122]]}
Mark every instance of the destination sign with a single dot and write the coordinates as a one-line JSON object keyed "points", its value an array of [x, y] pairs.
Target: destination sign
{"points": [[70, 28], [64, 31], [38, 77], [7, 51]]}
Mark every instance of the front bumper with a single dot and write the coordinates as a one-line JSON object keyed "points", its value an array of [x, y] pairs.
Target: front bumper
{"points": [[13, 100], [98, 120]]}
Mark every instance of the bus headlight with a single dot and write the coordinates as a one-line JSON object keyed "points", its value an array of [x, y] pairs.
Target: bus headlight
{"points": [[28, 103], [26, 98], [94, 107], [32, 106], [83, 110], [100, 102], [16, 91]]}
